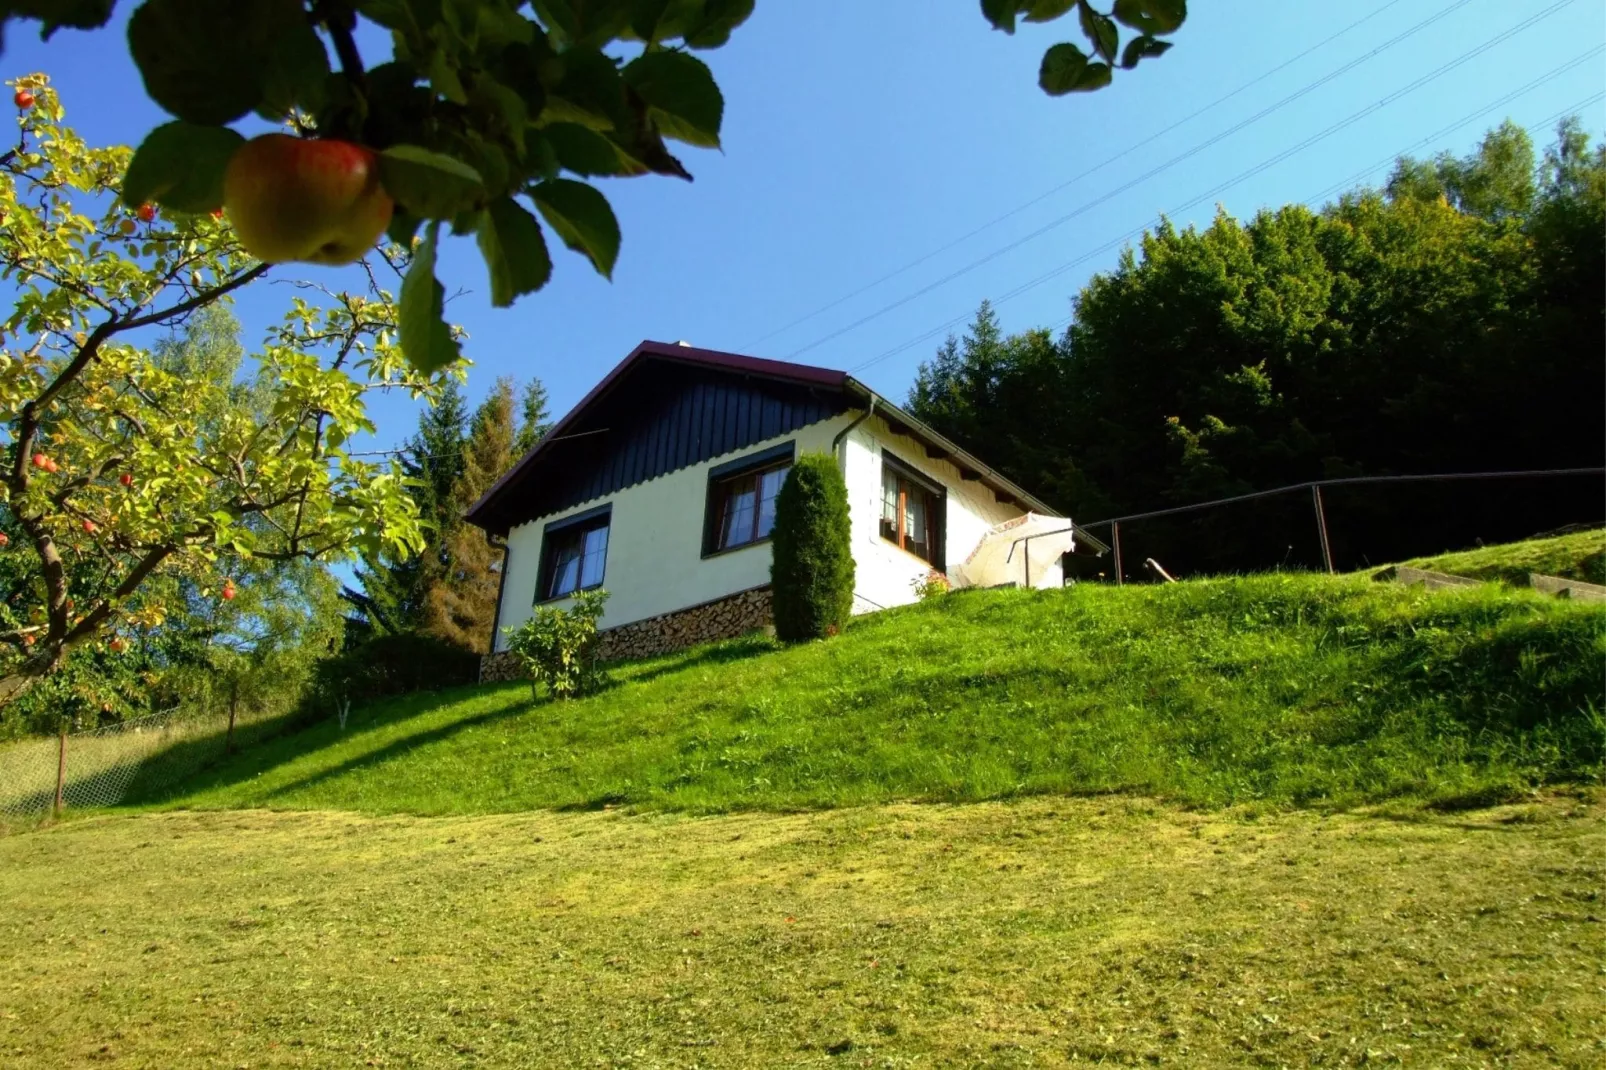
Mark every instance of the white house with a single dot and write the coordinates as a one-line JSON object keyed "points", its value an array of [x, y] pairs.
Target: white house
{"points": [[660, 486]]}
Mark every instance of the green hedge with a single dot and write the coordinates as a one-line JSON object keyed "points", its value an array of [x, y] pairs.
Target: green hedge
{"points": [[812, 573]]}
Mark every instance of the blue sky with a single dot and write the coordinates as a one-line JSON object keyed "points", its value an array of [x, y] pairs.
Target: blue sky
{"points": [[860, 137]]}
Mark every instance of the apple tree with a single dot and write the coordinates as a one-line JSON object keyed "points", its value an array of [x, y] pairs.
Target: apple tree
{"points": [[489, 117], [118, 466]]}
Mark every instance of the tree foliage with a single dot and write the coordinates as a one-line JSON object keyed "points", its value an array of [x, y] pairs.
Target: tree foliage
{"points": [[487, 118], [812, 572], [121, 465], [449, 588], [1453, 322], [460, 599]]}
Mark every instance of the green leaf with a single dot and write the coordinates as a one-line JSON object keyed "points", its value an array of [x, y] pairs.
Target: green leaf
{"points": [[583, 219], [514, 250], [1101, 31], [180, 165], [1144, 47], [54, 14], [1066, 70], [403, 225], [720, 17], [685, 102], [295, 66], [428, 184], [1045, 10], [210, 63], [425, 339], [1001, 13], [647, 21], [586, 152], [590, 92], [1152, 16]]}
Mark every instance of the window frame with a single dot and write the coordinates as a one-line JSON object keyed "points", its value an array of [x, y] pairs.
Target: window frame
{"points": [[579, 525], [936, 511], [722, 476]]}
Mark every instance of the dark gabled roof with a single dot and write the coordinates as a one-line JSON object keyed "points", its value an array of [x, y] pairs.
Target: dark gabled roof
{"points": [[494, 509]]}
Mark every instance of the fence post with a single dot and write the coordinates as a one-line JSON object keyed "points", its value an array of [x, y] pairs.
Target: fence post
{"points": [[1321, 528], [234, 702], [1115, 542], [61, 770]]}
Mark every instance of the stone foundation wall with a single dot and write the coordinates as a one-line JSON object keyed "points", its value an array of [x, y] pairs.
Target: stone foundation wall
{"points": [[722, 618]]}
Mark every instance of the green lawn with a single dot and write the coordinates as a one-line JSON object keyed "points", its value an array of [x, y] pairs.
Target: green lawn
{"points": [[1279, 689], [1579, 556], [1040, 932]]}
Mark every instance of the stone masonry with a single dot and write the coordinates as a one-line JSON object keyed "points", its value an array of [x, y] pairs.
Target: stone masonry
{"points": [[722, 618]]}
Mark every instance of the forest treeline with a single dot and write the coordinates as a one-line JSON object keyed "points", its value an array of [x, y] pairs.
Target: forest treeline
{"points": [[1452, 321]]}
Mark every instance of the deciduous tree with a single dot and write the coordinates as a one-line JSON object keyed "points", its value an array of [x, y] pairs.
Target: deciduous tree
{"points": [[118, 466]]}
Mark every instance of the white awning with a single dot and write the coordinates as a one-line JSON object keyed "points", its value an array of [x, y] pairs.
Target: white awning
{"points": [[1000, 556]]}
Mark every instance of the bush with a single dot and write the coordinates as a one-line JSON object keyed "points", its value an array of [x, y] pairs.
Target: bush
{"points": [[558, 647], [812, 573], [933, 584], [393, 665]]}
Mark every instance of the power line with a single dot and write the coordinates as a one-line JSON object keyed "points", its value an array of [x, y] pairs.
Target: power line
{"points": [[1439, 72], [1138, 232], [1127, 152]]}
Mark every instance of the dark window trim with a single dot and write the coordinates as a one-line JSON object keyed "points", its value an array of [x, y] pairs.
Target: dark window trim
{"points": [[724, 473], [543, 575], [939, 493], [575, 518], [761, 459]]}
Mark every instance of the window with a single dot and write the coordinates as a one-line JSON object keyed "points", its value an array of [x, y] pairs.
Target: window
{"points": [[574, 553], [741, 499], [911, 512]]}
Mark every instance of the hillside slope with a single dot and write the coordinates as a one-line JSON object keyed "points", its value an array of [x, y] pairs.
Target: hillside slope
{"points": [[1283, 689]]}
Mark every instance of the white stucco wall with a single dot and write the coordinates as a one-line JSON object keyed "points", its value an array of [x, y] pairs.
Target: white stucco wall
{"points": [[886, 574], [655, 543], [655, 563]]}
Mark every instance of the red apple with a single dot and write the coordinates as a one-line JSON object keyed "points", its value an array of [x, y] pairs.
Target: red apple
{"points": [[23, 99], [126, 479], [228, 590], [4, 538], [89, 527], [311, 199], [40, 460], [146, 213], [50, 465], [217, 213], [118, 644]]}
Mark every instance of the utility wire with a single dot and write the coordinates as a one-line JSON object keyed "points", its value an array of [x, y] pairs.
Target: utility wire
{"points": [[1127, 152], [1463, 58], [1138, 232]]}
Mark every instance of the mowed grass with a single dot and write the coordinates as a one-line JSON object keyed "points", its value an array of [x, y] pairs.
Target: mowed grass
{"points": [[1040, 932], [1577, 556], [1281, 690]]}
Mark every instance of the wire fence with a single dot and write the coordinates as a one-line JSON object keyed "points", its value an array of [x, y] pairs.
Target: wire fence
{"points": [[96, 767]]}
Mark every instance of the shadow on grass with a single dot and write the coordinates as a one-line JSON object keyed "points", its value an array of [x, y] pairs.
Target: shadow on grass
{"points": [[199, 764], [725, 653], [399, 747]]}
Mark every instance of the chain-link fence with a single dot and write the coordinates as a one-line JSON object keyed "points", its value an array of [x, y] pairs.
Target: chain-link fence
{"points": [[91, 768]]}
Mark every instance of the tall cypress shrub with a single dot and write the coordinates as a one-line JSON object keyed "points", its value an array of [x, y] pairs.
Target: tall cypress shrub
{"points": [[812, 571]]}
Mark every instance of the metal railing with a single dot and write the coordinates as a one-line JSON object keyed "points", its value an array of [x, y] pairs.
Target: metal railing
{"points": [[1314, 486]]}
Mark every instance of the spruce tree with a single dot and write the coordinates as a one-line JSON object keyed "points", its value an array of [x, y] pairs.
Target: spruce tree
{"points": [[460, 600]]}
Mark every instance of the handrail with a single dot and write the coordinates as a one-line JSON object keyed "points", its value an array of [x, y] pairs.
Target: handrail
{"points": [[1314, 486]]}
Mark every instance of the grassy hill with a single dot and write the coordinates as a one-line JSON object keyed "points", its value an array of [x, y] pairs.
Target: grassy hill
{"points": [[1289, 689], [1120, 928]]}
